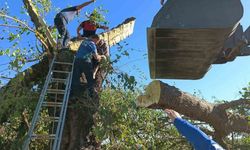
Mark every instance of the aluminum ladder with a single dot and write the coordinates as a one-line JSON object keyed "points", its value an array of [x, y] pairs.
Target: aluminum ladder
{"points": [[53, 101]]}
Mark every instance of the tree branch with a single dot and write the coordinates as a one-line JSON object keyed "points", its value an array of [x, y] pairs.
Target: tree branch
{"points": [[4, 77], [42, 29], [25, 119], [16, 20], [233, 103], [38, 35], [14, 26]]}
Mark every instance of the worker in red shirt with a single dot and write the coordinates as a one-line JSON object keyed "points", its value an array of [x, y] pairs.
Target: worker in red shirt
{"points": [[89, 27]]}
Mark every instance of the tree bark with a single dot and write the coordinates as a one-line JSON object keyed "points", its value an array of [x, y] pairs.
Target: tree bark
{"points": [[43, 33], [80, 119], [159, 95]]}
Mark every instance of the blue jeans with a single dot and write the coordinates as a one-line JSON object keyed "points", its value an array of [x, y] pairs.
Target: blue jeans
{"points": [[81, 66], [60, 24]]}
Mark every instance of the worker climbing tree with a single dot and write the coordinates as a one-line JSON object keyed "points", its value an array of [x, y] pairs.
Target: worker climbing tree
{"points": [[64, 17]]}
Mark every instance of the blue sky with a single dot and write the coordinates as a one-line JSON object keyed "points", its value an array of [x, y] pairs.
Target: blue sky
{"points": [[222, 81]]}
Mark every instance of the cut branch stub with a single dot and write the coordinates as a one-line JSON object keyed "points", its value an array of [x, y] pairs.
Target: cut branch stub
{"points": [[161, 95], [151, 96]]}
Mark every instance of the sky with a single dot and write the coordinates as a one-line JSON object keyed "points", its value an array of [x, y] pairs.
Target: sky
{"points": [[222, 81]]}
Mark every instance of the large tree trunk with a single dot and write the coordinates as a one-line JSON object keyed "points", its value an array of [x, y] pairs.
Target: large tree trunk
{"points": [[160, 95], [79, 119]]}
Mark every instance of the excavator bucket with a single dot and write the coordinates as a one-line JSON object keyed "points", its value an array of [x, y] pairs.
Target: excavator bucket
{"points": [[186, 36]]}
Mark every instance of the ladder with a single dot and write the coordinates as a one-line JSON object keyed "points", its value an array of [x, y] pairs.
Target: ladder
{"points": [[52, 105]]}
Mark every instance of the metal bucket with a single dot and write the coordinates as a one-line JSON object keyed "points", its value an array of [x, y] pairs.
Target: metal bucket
{"points": [[186, 36]]}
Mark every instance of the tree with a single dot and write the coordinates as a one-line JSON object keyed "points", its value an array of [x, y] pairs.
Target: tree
{"points": [[27, 84], [119, 119]]}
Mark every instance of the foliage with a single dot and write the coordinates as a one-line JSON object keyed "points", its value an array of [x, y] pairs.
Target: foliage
{"points": [[43, 6], [240, 140], [245, 93], [244, 109], [121, 125], [98, 15], [18, 106], [117, 79], [14, 31]]}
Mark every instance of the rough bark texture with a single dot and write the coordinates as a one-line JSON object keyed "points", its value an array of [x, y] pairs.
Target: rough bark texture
{"points": [[159, 95], [43, 33]]}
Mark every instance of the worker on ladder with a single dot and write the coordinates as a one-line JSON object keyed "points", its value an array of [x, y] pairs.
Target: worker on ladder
{"points": [[89, 27], [84, 64], [63, 18], [162, 2], [100, 73]]}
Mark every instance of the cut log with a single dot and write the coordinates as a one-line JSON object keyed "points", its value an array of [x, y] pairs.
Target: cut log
{"points": [[159, 95], [182, 44]]}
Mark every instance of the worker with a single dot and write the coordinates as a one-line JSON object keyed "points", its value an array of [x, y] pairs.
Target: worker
{"points": [[100, 73], [83, 64], [63, 18], [194, 135], [162, 2], [89, 27]]}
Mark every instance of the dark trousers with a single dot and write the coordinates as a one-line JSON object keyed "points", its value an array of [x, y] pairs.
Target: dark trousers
{"points": [[60, 24], [81, 66]]}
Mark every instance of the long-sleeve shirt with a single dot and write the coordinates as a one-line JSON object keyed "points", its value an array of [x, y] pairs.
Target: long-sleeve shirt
{"points": [[69, 13], [195, 136]]}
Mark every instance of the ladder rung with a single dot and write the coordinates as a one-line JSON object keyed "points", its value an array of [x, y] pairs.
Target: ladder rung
{"points": [[52, 119], [52, 104], [55, 91], [43, 136], [58, 80], [59, 71], [63, 63]]}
